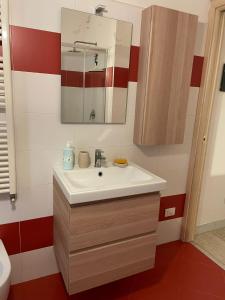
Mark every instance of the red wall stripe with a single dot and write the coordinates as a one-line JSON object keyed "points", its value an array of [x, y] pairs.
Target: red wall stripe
{"points": [[71, 78], [38, 51], [196, 76], [176, 201], [121, 77], [117, 77], [38, 233], [27, 235], [35, 50], [95, 79], [76, 79], [9, 234], [133, 69]]}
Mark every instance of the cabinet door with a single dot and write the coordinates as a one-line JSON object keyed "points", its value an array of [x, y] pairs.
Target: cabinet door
{"points": [[163, 88]]}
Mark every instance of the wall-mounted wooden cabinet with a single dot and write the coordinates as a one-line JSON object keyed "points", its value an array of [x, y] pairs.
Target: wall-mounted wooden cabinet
{"points": [[165, 65]]}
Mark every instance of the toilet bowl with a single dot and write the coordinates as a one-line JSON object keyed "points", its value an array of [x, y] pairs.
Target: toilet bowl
{"points": [[5, 272]]}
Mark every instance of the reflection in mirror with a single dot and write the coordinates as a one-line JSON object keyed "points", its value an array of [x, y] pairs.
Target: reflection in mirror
{"points": [[95, 54]]}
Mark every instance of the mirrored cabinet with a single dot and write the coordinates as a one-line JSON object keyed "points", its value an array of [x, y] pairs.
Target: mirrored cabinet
{"points": [[95, 54]]}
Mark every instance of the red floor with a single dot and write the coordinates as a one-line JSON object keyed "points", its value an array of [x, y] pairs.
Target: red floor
{"points": [[181, 272]]}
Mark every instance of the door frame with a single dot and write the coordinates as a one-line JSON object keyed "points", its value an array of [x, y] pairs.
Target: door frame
{"points": [[216, 24]]}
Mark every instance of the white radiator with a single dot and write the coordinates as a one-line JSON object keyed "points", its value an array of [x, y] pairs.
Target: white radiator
{"points": [[7, 144]]}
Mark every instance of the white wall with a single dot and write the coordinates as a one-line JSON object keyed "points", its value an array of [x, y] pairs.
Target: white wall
{"points": [[40, 137], [199, 7], [212, 201]]}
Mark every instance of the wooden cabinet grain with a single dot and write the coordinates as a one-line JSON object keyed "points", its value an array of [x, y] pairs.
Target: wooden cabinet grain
{"points": [[100, 242], [165, 65], [110, 262]]}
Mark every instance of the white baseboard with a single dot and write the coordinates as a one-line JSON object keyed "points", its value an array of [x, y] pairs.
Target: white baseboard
{"points": [[210, 226]]}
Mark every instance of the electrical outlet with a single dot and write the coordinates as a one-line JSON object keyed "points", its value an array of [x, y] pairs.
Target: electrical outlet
{"points": [[169, 212]]}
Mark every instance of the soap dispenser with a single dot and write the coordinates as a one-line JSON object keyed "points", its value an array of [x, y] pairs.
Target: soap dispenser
{"points": [[68, 156]]}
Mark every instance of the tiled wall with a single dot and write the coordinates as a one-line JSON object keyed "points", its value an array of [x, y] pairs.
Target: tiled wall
{"points": [[40, 137]]}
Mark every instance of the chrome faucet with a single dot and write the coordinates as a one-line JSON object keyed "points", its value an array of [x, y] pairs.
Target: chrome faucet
{"points": [[99, 158]]}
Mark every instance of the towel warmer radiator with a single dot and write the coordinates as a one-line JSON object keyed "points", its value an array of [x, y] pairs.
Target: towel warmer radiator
{"points": [[7, 144]]}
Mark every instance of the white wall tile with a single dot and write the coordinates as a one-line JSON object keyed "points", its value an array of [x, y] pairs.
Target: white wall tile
{"points": [[94, 100], [16, 263], [33, 264], [41, 14], [38, 263], [102, 136], [118, 11], [192, 101], [169, 231], [199, 7], [45, 15], [33, 202], [189, 129], [118, 152], [119, 106], [34, 167], [72, 104], [200, 39], [41, 131], [36, 93], [173, 167]]}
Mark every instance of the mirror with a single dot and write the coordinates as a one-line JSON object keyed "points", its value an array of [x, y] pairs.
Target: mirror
{"points": [[95, 55]]}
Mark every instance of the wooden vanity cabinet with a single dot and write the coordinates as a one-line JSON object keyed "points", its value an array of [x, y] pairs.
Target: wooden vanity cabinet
{"points": [[100, 242], [164, 75]]}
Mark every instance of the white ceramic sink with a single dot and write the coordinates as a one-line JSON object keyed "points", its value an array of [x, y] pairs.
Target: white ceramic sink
{"points": [[92, 184]]}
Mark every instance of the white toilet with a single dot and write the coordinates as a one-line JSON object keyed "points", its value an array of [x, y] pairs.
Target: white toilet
{"points": [[5, 272]]}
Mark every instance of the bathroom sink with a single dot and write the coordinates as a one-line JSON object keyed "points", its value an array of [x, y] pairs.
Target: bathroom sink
{"points": [[92, 184]]}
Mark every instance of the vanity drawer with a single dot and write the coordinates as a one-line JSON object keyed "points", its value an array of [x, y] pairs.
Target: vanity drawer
{"points": [[100, 265], [85, 226], [114, 220]]}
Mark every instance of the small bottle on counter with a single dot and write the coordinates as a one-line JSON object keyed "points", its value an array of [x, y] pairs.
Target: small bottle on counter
{"points": [[68, 156]]}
